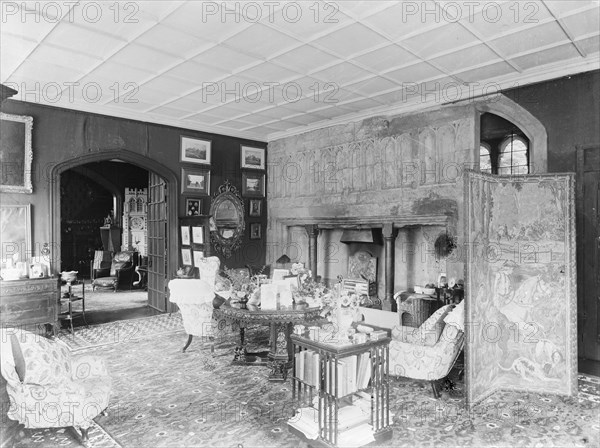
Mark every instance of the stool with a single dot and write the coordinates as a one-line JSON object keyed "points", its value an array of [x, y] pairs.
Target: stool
{"points": [[71, 299]]}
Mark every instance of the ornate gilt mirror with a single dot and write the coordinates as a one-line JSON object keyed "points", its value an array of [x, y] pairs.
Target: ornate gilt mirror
{"points": [[227, 216]]}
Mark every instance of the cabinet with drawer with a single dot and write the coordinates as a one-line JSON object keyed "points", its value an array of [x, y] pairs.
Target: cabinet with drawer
{"points": [[29, 302]]}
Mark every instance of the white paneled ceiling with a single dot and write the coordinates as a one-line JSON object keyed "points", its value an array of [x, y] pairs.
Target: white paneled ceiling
{"points": [[264, 70]]}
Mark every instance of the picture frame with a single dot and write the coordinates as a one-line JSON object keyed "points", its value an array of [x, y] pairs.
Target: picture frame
{"points": [[255, 207], [255, 231], [198, 234], [193, 206], [17, 153], [195, 180], [15, 234], [253, 185], [185, 236], [195, 150], [198, 256], [253, 158], [279, 274], [186, 256]]}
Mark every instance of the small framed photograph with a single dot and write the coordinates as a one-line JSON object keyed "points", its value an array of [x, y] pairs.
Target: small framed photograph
{"points": [[198, 256], [253, 185], [198, 234], [255, 207], [195, 150], [292, 280], [253, 158], [186, 256], [193, 206], [255, 232], [185, 235], [279, 274], [195, 181]]}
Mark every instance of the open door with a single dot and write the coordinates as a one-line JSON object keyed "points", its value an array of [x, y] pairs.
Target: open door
{"points": [[588, 250], [157, 242], [520, 285]]}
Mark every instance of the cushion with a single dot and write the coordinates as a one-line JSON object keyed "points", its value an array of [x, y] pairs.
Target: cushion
{"points": [[122, 257], [456, 317], [415, 336], [105, 281], [428, 333], [208, 268], [118, 265], [43, 361], [18, 357]]}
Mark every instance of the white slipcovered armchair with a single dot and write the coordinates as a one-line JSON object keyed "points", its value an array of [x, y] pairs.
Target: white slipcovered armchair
{"points": [[47, 386], [430, 351], [194, 297]]}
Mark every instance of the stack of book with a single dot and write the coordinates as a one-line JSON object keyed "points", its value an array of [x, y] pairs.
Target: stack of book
{"points": [[307, 367], [353, 373]]}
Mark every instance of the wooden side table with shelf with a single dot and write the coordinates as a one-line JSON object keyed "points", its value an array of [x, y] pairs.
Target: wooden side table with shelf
{"points": [[71, 298], [342, 397]]}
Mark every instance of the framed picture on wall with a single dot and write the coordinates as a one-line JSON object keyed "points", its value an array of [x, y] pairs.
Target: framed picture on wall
{"points": [[195, 181], [17, 153], [253, 158], [15, 229], [255, 207], [253, 185], [193, 206], [185, 235], [198, 234], [195, 150], [198, 256], [255, 231], [186, 256]]}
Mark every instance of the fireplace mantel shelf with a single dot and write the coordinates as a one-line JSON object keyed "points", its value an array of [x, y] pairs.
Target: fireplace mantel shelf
{"points": [[366, 222]]}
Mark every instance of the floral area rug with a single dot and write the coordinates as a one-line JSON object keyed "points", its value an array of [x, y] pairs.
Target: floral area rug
{"points": [[59, 437], [121, 331], [165, 398]]}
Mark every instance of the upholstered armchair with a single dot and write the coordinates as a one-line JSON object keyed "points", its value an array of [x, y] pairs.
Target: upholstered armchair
{"points": [[47, 386], [194, 297], [430, 351], [121, 272]]}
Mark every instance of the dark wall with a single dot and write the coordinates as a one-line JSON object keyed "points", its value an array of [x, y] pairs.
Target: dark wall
{"points": [[569, 108], [61, 135]]}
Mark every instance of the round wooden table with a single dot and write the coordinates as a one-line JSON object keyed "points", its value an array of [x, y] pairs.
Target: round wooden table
{"points": [[280, 321]]}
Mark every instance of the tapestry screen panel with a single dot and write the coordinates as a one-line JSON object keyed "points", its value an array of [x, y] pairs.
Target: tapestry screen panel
{"points": [[520, 284]]}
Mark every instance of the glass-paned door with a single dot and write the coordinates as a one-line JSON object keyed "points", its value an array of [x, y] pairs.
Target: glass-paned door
{"points": [[157, 242]]}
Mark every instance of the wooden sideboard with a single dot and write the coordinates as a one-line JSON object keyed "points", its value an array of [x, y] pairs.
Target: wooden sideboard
{"points": [[29, 302]]}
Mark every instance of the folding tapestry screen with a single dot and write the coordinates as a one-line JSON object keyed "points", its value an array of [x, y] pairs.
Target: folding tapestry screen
{"points": [[521, 297]]}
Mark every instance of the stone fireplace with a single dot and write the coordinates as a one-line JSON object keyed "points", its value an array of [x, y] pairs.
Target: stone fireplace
{"points": [[405, 258]]}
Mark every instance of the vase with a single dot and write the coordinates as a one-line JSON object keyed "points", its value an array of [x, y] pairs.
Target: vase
{"points": [[344, 317]]}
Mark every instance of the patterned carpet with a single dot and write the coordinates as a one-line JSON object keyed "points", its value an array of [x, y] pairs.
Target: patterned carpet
{"points": [[121, 331], [165, 398]]}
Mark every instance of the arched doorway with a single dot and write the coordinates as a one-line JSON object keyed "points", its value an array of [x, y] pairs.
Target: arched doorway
{"points": [[162, 226]]}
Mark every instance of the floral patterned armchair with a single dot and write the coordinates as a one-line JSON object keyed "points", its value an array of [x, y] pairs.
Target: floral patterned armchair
{"points": [[47, 386], [428, 352], [195, 297]]}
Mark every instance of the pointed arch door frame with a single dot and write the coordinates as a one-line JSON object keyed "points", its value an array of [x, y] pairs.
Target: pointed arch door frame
{"points": [[535, 131], [125, 156]]}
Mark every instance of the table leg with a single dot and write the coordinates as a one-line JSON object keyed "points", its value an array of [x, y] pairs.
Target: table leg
{"points": [[279, 354], [240, 350]]}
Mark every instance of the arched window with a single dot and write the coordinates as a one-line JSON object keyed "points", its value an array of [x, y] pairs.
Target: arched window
{"points": [[514, 156], [485, 158]]}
